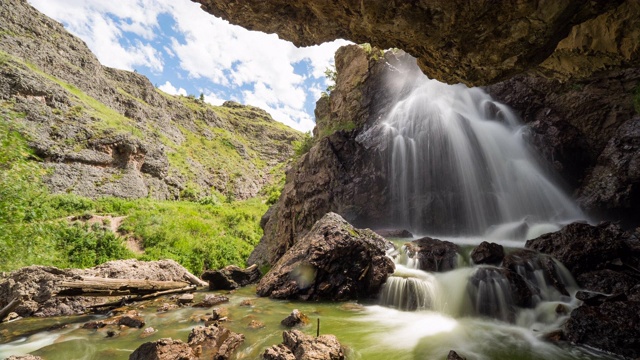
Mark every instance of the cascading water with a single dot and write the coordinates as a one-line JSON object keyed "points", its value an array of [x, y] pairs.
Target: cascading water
{"points": [[459, 168], [458, 165]]}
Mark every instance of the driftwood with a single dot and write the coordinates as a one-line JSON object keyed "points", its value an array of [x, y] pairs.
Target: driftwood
{"points": [[91, 286], [129, 299], [9, 308]]}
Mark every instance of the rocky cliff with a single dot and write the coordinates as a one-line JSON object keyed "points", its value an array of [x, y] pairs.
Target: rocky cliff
{"points": [[459, 41], [587, 130], [102, 131]]}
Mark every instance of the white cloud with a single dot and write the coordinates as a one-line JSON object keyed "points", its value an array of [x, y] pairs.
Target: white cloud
{"points": [[260, 67], [170, 89]]}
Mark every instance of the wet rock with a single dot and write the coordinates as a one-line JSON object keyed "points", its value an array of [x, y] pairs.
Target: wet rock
{"points": [[582, 247], [185, 299], [529, 265], [167, 307], [298, 346], [593, 299], [612, 189], [96, 324], [611, 326], [394, 233], [255, 324], [454, 356], [487, 253], [333, 261], [214, 342], [111, 333], [498, 292], [554, 336], [607, 281], [24, 357], [147, 332], [246, 302], [434, 254], [163, 349], [295, 318], [132, 321], [450, 48], [231, 277], [212, 300]]}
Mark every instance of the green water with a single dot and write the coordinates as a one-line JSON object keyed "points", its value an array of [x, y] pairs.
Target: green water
{"points": [[368, 332]]}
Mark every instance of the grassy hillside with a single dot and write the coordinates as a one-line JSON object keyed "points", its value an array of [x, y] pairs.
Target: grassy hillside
{"points": [[37, 227]]}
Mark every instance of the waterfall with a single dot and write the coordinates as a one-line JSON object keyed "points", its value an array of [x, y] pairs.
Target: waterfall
{"points": [[458, 165]]}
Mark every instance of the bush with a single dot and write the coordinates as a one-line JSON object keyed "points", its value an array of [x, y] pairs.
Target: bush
{"points": [[301, 147]]}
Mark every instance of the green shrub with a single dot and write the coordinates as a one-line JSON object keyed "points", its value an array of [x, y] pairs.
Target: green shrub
{"points": [[301, 147]]}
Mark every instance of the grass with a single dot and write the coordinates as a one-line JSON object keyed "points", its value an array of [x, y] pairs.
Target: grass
{"points": [[211, 234]]}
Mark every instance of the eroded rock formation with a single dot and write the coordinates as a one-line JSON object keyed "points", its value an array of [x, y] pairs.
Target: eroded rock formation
{"points": [[455, 41]]}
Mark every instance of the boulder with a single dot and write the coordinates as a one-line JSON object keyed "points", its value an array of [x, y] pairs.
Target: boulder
{"points": [[607, 281], [394, 233], [185, 299], [132, 321], [610, 326], [582, 247], [214, 342], [295, 318], [231, 277], [212, 300], [498, 292], [530, 264], [298, 346], [433, 254], [333, 261], [487, 253], [163, 349]]}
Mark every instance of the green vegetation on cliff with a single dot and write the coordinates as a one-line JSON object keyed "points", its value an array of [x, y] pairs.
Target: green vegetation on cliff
{"points": [[36, 227]]}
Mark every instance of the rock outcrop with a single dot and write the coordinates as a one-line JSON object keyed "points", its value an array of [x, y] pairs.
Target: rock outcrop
{"points": [[108, 132], [604, 260], [231, 277], [36, 286], [455, 41], [339, 173], [333, 261], [298, 346], [588, 131]]}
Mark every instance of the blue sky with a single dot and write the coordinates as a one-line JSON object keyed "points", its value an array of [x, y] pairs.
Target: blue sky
{"points": [[184, 50]]}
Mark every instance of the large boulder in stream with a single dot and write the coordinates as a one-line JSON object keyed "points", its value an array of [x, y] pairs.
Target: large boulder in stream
{"points": [[610, 326], [583, 247], [37, 286], [298, 346], [333, 261], [433, 254], [164, 349]]}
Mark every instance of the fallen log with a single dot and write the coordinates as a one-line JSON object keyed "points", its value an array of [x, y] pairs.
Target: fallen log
{"points": [[9, 308], [92, 286], [129, 299]]}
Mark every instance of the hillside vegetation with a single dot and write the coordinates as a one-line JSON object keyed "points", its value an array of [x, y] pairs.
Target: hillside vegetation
{"points": [[98, 164]]}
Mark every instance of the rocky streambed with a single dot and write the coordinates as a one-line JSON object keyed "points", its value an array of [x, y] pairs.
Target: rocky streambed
{"points": [[549, 315]]}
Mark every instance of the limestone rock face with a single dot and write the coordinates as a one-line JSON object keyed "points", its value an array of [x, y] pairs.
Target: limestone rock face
{"points": [[333, 261], [109, 132], [340, 173], [455, 41]]}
